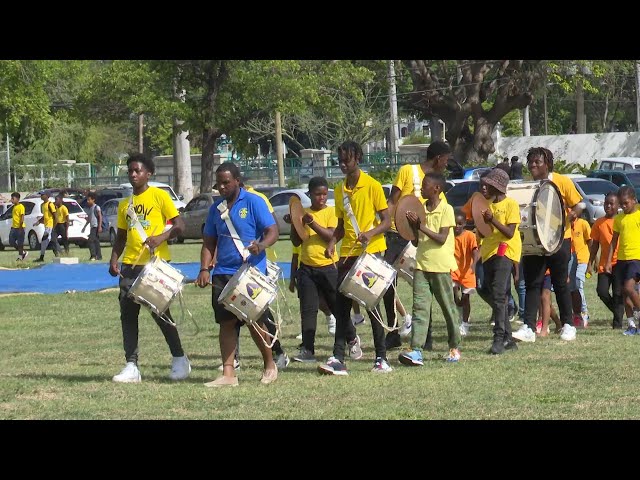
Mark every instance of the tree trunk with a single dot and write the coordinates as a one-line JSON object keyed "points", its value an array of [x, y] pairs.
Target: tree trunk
{"points": [[526, 126], [182, 162], [209, 137], [482, 143]]}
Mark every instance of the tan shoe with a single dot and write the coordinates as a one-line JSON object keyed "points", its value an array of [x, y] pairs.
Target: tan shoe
{"points": [[269, 376], [223, 382]]}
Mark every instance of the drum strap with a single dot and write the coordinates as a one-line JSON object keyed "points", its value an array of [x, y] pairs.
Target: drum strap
{"points": [[349, 210], [416, 181], [224, 214], [131, 211]]}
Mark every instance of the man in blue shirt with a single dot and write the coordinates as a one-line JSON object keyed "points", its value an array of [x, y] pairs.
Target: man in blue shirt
{"points": [[257, 230]]}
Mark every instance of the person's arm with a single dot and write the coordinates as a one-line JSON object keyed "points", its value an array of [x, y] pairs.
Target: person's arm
{"points": [[177, 228], [21, 220], [269, 237], [66, 223], [593, 251], [475, 255], [294, 269], [612, 248], [338, 234], [295, 238], [392, 201], [325, 233], [99, 216], [207, 251], [506, 230], [383, 226], [118, 248]]}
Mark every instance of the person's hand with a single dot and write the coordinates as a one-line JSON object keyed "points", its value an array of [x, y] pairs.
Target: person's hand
{"points": [[590, 269], [292, 285], [330, 250], [307, 219], [255, 248], [203, 279], [487, 215], [287, 218], [152, 242], [114, 268], [364, 237], [607, 267], [99, 228], [413, 219]]}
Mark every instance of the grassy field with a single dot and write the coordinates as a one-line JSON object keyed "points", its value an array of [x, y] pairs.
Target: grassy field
{"points": [[60, 352]]}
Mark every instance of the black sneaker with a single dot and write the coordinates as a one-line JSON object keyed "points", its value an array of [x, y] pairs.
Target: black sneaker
{"points": [[41, 259], [305, 356], [510, 344], [497, 347], [392, 340]]}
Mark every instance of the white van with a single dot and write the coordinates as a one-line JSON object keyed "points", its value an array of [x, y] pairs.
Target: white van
{"points": [[619, 163], [177, 199]]}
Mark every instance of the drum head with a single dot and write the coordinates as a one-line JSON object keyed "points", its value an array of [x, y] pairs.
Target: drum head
{"points": [[478, 205], [296, 210], [408, 203], [549, 217]]}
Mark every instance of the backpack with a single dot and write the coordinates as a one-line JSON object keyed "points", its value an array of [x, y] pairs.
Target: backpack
{"points": [[105, 222]]}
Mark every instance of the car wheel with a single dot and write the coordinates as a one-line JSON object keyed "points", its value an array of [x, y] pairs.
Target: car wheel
{"points": [[33, 241], [180, 239], [112, 237]]}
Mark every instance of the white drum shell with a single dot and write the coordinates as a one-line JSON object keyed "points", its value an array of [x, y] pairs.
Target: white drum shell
{"points": [[157, 285], [368, 280], [246, 283], [273, 272], [405, 264]]}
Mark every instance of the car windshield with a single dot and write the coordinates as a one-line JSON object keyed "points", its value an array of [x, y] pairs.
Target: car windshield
{"points": [[592, 187], [634, 178], [169, 190], [73, 207]]}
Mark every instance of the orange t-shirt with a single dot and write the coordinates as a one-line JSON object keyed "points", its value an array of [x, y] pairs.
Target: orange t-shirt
{"points": [[465, 244], [602, 232]]}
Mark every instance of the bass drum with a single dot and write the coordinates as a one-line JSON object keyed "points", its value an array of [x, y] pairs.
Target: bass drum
{"points": [[542, 215]]}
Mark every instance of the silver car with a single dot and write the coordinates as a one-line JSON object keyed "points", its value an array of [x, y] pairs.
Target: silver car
{"points": [[195, 214], [593, 191], [280, 204], [110, 211]]}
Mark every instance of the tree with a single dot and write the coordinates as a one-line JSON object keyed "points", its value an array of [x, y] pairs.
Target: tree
{"points": [[454, 91]]}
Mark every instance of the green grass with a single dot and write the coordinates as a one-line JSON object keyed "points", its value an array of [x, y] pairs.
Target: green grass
{"points": [[59, 353]]}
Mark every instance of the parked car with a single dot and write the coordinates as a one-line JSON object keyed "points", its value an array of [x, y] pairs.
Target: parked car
{"points": [[474, 173], [33, 234], [619, 163], [460, 191], [593, 191], [620, 178], [269, 191], [195, 214], [75, 193], [125, 189], [110, 212], [280, 204], [387, 190]]}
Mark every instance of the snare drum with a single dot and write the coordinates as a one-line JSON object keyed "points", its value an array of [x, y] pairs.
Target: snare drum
{"points": [[248, 293], [157, 286], [368, 280], [405, 264], [542, 216], [273, 272]]}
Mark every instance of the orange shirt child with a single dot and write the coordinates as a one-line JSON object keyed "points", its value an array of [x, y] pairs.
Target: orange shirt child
{"points": [[465, 244], [602, 232]]}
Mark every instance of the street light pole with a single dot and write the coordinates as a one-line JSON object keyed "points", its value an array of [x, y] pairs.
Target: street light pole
{"points": [[8, 160], [546, 130]]}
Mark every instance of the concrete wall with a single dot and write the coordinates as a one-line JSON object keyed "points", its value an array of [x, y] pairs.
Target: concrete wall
{"points": [[582, 149]]}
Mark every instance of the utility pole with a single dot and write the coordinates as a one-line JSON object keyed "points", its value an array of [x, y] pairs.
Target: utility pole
{"points": [[581, 126], [546, 131], [393, 147], [8, 160], [526, 126], [638, 95], [279, 150], [141, 133]]}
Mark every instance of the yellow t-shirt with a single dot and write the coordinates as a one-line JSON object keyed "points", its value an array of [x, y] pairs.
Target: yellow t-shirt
{"points": [[581, 234], [506, 212], [62, 214], [405, 182], [271, 253], [366, 198], [312, 249], [432, 256], [570, 196], [16, 214], [628, 228], [153, 208], [48, 210]]}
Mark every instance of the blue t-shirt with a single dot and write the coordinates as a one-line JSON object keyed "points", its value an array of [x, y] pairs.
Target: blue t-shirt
{"points": [[250, 216]]}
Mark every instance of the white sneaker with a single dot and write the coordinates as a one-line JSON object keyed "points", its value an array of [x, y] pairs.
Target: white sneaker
{"points": [[525, 334], [568, 332], [357, 319], [464, 329], [180, 368], [405, 331], [236, 365], [299, 337], [331, 325], [282, 361], [129, 374]]}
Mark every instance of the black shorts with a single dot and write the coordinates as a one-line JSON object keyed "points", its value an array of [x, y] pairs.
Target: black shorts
{"points": [[627, 269], [218, 282]]}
